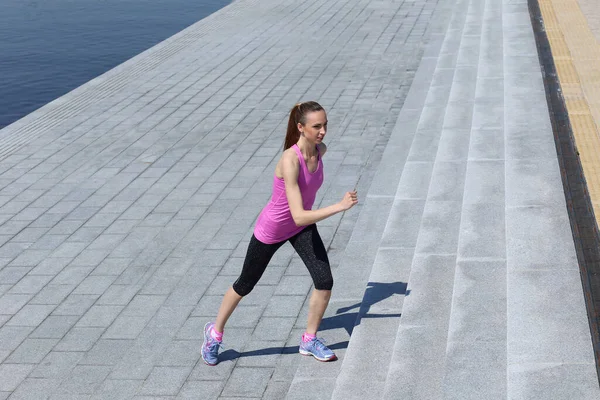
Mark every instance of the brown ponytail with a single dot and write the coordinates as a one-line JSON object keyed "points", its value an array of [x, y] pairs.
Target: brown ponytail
{"points": [[298, 115]]}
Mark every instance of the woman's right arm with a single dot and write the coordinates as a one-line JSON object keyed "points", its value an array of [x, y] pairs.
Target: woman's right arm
{"points": [[290, 169]]}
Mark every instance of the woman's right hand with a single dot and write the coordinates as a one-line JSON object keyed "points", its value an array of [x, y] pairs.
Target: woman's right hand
{"points": [[350, 199]]}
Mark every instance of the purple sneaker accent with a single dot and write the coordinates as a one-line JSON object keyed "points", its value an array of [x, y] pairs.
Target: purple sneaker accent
{"points": [[210, 346], [317, 349]]}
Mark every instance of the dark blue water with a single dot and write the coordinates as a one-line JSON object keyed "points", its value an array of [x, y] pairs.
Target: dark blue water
{"points": [[49, 47]]}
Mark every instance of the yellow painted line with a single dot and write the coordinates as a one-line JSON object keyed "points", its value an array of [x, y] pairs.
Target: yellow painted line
{"points": [[576, 54]]}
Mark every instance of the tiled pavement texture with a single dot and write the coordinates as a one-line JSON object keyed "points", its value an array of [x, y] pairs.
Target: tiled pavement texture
{"points": [[592, 14], [126, 205], [572, 29], [475, 289]]}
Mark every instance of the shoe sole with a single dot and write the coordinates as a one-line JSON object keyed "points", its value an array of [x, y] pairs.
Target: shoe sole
{"points": [[203, 344], [308, 353]]}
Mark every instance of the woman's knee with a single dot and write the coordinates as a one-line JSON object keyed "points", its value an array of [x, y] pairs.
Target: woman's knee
{"points": [[243, 288], [325, 283]]}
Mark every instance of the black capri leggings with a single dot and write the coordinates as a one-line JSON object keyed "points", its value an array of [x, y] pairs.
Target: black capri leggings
{"points": [[308, 245]]}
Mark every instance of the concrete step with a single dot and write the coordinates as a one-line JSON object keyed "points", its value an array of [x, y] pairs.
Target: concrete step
{"points": [[365, 364], [362, 250], [475, 357], [417, 365], [549, 350]]}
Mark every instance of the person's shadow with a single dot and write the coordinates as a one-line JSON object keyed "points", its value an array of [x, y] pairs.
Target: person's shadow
{"points": [[376, 292]]}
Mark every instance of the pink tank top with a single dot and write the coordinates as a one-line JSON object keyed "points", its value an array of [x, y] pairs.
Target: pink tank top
{"points": [[275, 222]]}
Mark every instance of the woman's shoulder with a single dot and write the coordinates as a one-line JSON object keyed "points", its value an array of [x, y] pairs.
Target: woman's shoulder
{"points": [[288, 159], [290, 155]]}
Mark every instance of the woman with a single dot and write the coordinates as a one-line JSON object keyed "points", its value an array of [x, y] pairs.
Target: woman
{"points": [[289, 217]]}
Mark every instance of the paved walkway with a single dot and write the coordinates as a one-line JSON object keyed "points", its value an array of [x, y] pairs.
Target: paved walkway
{"points": [[574, 33], [127, 204]]}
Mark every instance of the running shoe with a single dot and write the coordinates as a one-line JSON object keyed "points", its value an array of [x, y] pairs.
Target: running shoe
{"points": [[317, 349], [210, 347]]}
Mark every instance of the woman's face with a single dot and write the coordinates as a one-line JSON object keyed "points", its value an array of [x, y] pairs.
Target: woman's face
{"points": [[315, 127]]}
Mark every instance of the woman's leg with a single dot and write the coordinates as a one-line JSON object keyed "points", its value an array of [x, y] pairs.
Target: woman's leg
{"points": [[257, 258], [229, 303], [319, 299], [309, 245]]}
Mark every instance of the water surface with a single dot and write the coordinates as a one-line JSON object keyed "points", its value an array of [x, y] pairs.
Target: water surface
{"points": [[49, 47]]}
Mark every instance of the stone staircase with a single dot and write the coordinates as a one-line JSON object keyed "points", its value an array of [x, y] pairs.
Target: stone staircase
{"points": [[472, 282]]}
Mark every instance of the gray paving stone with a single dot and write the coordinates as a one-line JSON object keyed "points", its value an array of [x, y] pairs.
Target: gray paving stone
{"points": [[482, 231], [49, 242], [90, 258], [86, 234], [35, 388], [294, 285], [530, 343], [84, 379], [160, 285], [75, 305], [208, 390], [95, 284], [207, 305], [447, 181], [165, 381], [528, 233], [371, 222], [11, 275], [99, 316], [453, 145], [31, 351], [144, 305], [52, 294], [415, 179], [12, 376], [538, 381], [30, 284], [12, 336], [473, 372], [68, 250], [111, 266], [126, 327], [54, 327], [533, 182], [12, 303], [170, 318], [274, 328], [245, 316], [117, 389], [30, 258], [317, 388], [276, 390], [51, 266], [181, 353], [117, 295], [439, 227], [264, 353], [30, 235], [247, 382], [166, 135], [479, 301], [31, 315], [284, 306], [425, 143], [71, 275], [106, 352], [140, 359], [484, 182]]}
